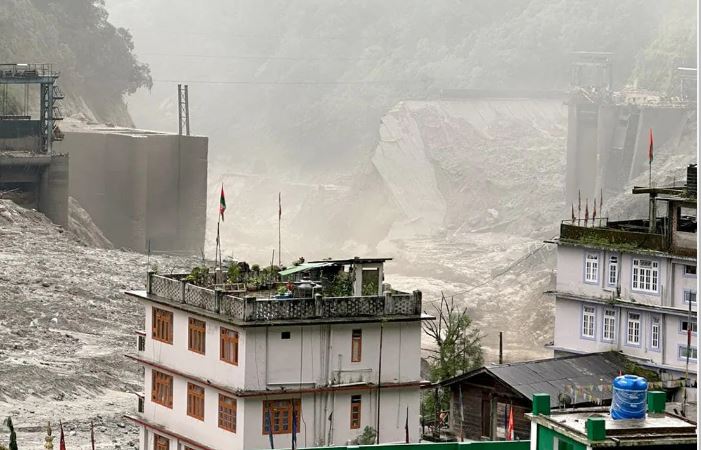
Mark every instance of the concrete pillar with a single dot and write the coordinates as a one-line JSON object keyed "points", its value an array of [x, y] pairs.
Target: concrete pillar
{"points": [[318, 307], [53, 190], [357, 270], [389, 303], [249, 307], [541, 404], [596, 428]]}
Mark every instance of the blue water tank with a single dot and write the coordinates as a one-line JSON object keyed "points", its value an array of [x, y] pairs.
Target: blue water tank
{"points": [[629, 399]]}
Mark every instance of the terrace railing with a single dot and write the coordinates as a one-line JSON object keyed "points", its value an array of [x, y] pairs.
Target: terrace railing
{"points": [[251, 309]]}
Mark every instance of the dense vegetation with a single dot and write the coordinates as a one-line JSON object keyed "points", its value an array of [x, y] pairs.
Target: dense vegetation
{"points": [[96, 59]]}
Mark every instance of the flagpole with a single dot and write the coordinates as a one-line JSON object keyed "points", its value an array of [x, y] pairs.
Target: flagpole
{"points": [[92, 435], [217, 254], [279, 234], [649, 159]]}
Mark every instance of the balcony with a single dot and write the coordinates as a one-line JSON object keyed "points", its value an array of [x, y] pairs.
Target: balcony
{"points": [[175, 290]]}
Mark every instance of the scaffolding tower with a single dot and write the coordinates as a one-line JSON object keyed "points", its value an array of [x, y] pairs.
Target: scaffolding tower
{"points": [[49, 96]]}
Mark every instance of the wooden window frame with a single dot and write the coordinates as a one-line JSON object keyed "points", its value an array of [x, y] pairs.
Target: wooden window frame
{"points": [[159, 441], [283, 411], [195, 401], [160, 380], [162, 324], [356, 340], [355, 411], [227, 405], [228, 336], [196, 335]]}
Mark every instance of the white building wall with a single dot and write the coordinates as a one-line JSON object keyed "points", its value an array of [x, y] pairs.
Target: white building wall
{"points": [[569, 313], [316, 354], [316, 432], [175, 419], [570, 276], [177, 355], [313, 356], [683, 282], [676, 338]]}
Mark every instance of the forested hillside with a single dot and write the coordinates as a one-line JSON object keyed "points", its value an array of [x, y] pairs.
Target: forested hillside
{"points": [[95, 58]]}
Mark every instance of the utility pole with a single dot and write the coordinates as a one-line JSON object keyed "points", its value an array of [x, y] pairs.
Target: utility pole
{"points": [[501, 349], [183, 110], [688, 355]]}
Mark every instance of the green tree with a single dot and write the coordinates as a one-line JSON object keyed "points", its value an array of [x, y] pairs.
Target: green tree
{"points": [[368, 437], [458, 346], [457, 350]]}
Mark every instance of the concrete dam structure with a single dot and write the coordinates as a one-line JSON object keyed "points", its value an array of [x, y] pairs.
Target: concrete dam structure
{"points": [[608, 131], [143, 189], [611, 141]]}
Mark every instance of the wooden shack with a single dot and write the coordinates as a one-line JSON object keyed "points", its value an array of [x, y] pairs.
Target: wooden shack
{"points": [[481, 399]]}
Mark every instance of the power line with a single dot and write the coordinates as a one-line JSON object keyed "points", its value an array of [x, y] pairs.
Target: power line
{"points": [[503, 272], [261, 57], [294, 83], [282, 58]]}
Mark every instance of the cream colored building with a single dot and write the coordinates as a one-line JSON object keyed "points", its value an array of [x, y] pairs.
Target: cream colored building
{"points": [[220, 367]]}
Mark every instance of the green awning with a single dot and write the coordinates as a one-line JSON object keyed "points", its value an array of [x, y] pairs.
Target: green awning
{"points": [[304, 266]]}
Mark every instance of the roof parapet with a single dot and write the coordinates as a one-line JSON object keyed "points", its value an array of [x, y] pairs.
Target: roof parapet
{"points": [[176, 291]]}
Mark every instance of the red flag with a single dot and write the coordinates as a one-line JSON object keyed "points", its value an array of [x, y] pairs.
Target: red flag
{"points": [[649, 151], [279, 205], [222, 202], [573, 217], [593, 214], [92, 435], [510, 427], [586, 212], [601, 201], [62, 439]]}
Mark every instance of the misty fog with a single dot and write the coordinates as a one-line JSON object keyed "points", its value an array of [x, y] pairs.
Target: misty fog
{"points": [[388, 127]]}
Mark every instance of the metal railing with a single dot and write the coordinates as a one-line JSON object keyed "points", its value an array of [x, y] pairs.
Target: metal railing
{"points": [[251, 309], [27, 71]]}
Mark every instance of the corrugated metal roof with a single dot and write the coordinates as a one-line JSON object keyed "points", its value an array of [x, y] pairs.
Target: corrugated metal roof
{"points": [[304, 266], [558, 376]]}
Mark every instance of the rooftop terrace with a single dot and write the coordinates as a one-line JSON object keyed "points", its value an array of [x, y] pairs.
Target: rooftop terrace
{"points": [[589, 428], [672, 232], [655, 429], [230, 303]]}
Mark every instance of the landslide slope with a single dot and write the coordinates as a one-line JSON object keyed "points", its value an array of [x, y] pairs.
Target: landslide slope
{"points": [[65, 325]]}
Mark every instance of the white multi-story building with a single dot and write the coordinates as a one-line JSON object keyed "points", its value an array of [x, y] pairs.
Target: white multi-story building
{"points": [[630, 286], [228, 371]]}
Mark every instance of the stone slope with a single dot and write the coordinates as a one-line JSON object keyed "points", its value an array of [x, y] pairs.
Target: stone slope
{"points": [[65, 325]]}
